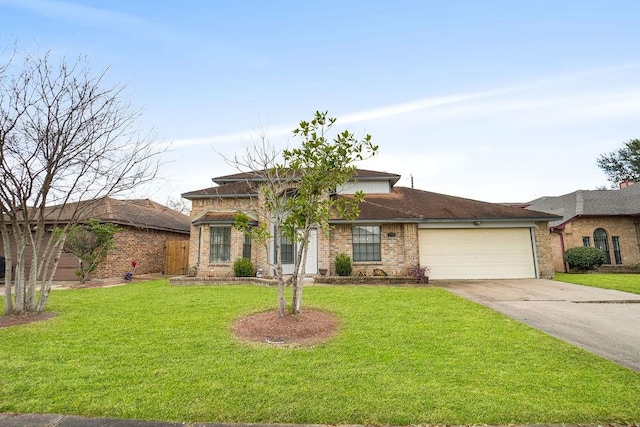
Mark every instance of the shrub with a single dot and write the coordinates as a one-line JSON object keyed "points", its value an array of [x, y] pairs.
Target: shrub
{"points": [[418, 272], [243, 267], [343, 264], [584, 258]]}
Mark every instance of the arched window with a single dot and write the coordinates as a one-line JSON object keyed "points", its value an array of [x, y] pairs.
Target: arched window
{"points": [[601, 241]]}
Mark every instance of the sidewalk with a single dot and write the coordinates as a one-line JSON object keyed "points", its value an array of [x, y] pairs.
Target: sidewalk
{"points": [[53, 420], [100, 283]]}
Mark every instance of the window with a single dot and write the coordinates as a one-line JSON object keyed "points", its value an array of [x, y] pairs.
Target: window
{"points": [[220, 244], [586, 241], [616, 249], [199, 245], [366, 243], [601, 241], [246, 247], [286, 249]]}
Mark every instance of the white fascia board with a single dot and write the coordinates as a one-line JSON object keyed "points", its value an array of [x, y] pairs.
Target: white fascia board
{"points": [[477, 224]]}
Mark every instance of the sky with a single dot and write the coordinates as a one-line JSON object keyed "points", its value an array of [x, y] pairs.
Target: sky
{"points": [[500, 101]]}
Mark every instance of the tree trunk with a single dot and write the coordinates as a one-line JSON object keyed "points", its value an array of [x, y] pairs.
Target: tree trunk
{"points": [[282, 303], [45, 288], [83, 273], [34, 267], [294, 278], [19, 280], [8, 280], [301, 266], [298, 301]]}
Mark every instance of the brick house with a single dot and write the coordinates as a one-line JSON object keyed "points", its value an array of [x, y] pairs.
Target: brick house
{"points": [[606, 219], [397, 228], [145, 226]]}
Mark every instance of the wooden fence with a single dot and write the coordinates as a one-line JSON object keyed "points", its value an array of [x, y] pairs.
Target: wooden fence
{"points": [[176, 257]]}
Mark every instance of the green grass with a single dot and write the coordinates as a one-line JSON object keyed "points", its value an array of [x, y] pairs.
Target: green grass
{"points": [[620, 282], [402, 356]]}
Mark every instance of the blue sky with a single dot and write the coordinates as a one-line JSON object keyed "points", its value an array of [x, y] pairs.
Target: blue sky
{"points": [[490, 100]]}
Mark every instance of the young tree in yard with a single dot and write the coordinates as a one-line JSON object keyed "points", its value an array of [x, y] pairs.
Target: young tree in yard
{"points": [[623, 164], [294, 192], [90, 243], [64, 137], [320, 166]]}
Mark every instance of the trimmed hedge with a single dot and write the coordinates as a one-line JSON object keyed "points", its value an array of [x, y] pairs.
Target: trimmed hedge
{"points": [[243, 267], [584, 258]]}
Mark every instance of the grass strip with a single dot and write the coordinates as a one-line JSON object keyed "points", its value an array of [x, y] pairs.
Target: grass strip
{"points": [[619, 282]]}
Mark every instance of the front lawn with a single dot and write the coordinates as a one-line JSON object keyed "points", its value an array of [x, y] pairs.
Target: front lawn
{"points": [[402, 356], [620, 282]]}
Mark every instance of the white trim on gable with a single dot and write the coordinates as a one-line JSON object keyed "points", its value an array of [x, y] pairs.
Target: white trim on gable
{"points": [[368, 187]]}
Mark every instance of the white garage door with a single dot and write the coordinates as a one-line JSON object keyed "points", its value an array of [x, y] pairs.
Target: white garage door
{"points": [[489, 253]]}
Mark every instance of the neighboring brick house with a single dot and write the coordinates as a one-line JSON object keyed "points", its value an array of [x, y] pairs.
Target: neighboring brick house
{"points": [[145, 226], [397, 229], [606, 219]]}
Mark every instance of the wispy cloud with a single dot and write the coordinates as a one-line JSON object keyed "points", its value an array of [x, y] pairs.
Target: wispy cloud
{"points": [[76, 12], [102, 18], [562, 98], [409, 107], [363, 116], [539, 109], [232, 138]]}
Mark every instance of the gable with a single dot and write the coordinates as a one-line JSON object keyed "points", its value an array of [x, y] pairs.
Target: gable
{"points": [[368, 187]]}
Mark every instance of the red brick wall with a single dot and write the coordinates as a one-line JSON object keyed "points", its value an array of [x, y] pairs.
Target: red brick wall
{"points": [[544, 250], [199, 249], [623, 227], [398, 247], [147, 247]]}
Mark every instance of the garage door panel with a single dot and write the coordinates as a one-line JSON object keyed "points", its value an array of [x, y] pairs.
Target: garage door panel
{"points": [[477, 253]]}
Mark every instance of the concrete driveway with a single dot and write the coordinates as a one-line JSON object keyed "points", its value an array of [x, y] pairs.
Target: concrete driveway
{"points": [[601, 321]]}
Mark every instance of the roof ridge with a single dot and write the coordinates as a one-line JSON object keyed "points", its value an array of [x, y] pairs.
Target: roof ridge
{"points": [[579, 202], [108, 203]]}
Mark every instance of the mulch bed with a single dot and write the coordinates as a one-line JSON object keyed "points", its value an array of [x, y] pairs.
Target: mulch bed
{"points": [[21, 319], [309, 328]]}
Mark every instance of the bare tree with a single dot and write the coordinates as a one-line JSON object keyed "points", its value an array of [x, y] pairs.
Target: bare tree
{"points": [[64, 138], [179, 204], [272, 182]]}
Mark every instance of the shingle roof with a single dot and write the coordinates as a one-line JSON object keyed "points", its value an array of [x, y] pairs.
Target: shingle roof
{"points": [[623, 202], [402, 204], [240, 189], [242, 184], [212, 217], [142, 213], [408, 204]]}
